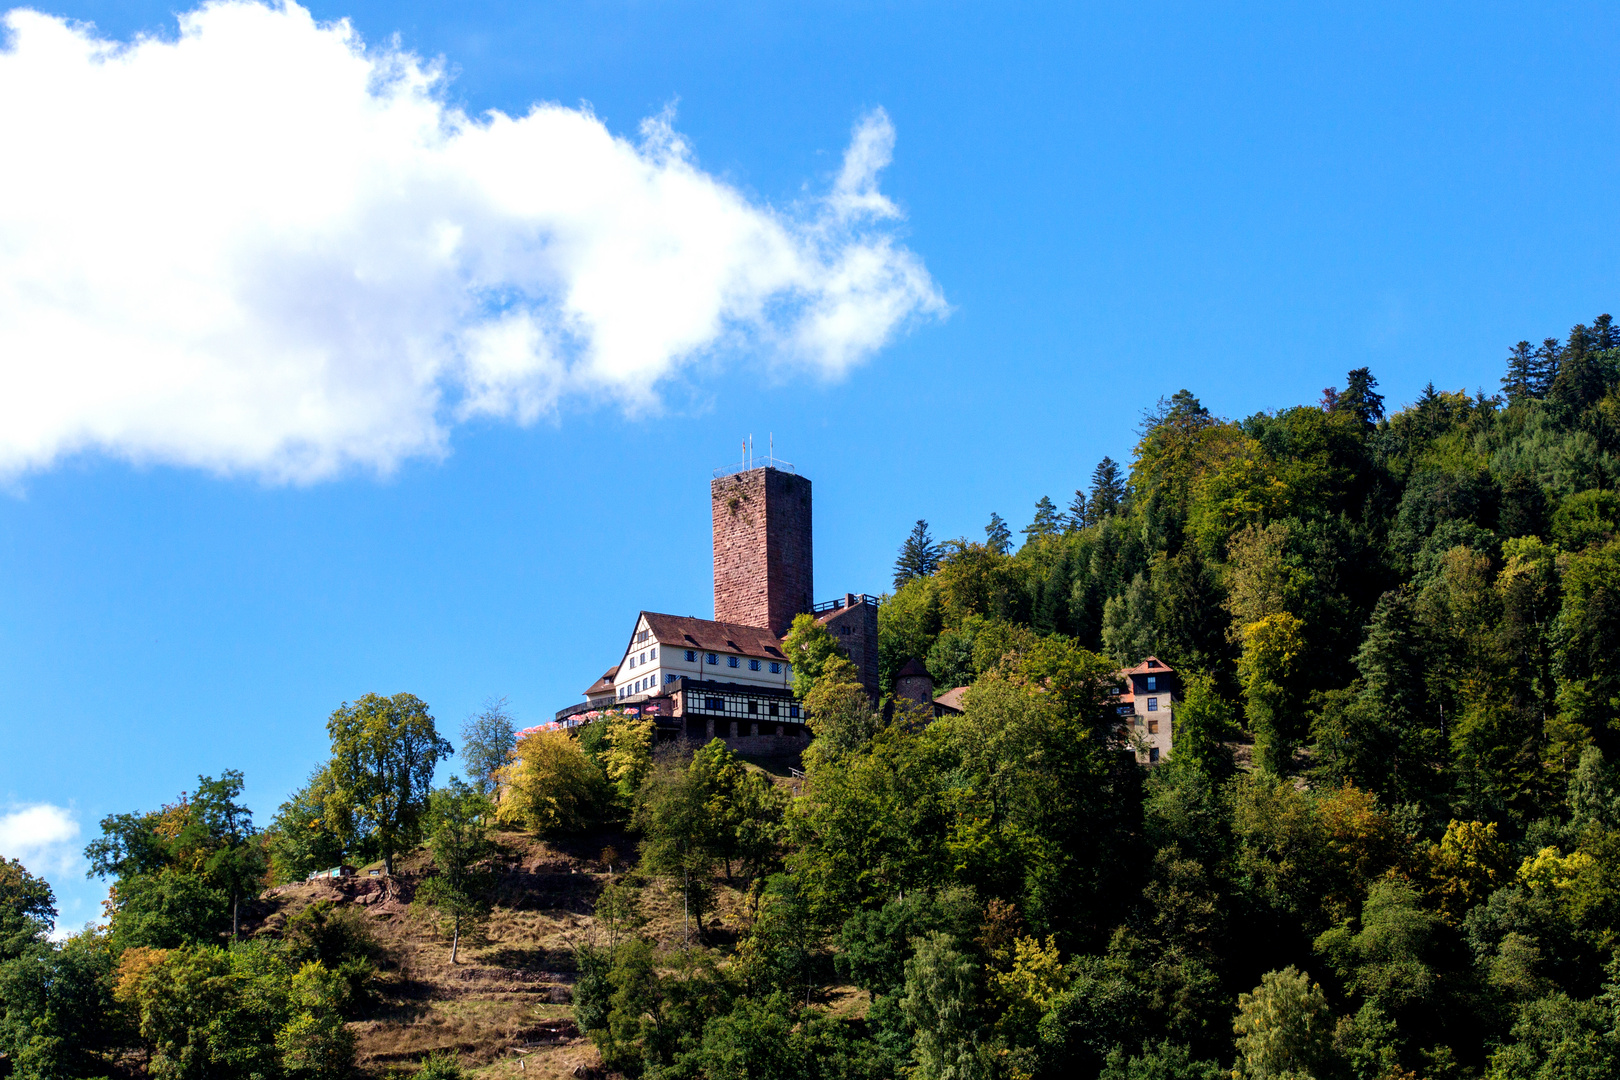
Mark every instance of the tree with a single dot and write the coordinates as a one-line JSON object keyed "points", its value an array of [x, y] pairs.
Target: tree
{"points": [[1078, 515], [487, 740], [219, 839], [1283, 1028], [1359, 399], [458, 817], [384, 751], [919, 556], [27, 908], [302, 837], [840, 712], [1519, 381], [1107, 491], [1048, 522], [552, 786], [1544, 370], [629, 753], [809, 646], [997, 536]]}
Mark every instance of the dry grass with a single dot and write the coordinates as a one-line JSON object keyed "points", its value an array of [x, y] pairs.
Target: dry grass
{"points": [[504, 1009]]}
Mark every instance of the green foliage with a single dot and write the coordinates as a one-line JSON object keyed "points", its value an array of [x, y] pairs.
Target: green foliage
{"points": [[458, 823], [919, 556], [552, 786], [1283, 1028], [809, 646], [27, 909], [56, 1009], [384, 751], [301, 838], [487, 741]]}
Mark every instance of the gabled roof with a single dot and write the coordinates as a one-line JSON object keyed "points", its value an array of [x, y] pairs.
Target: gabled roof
{"points": [[952, 699], [706, 635], [604, 685], [1151, 665]]}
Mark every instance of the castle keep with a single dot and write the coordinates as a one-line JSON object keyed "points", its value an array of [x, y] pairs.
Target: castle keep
{"points": [[731, 677]]}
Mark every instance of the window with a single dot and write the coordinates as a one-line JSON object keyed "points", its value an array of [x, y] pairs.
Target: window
{"points": [[643, 658], [691, 656], [793, 711], [1153, 727], [776, 669], [753, 665], [711, 658], [774, 710], [653, 652], [1153, 753], [714, 704], [731, 661], [1153, 704], [1153, 682], [753, 706], [632, 659], [643, 636], [669, 678]]}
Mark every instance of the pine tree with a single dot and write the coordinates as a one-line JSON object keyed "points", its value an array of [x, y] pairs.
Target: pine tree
{"points": [[1359, 399], [1604, 333], [1047, 520], [1401, 741], [1521, 365], [1545, 368], [1107, 491], [919, 556], [997, 535], [1077, 513]]}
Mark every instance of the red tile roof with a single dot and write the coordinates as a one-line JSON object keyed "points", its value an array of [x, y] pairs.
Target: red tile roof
{"points": [[706, 635], [952, 699], [1151, 665]]}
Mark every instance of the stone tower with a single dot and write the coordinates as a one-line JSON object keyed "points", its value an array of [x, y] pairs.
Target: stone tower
{"points": [[762, 553]]}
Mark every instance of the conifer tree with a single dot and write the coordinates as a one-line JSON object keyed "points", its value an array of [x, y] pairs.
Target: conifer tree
{"points": [[1047, 520], [1520, 377], [1359, 398], [919, 556], [1545, 368], [1604, 333], [1076, 518], [997, 536], [1107, 491]]}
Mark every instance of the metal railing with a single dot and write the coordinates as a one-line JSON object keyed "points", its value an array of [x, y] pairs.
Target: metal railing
{"points": [[748, 465], [834, 605]]}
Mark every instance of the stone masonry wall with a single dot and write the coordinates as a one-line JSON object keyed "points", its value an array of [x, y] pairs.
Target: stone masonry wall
{"points": [[855, 627], [762, 548]]}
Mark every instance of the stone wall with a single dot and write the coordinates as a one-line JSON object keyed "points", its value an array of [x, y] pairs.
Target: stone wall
{"points": [[855, 627], [762, 548]]}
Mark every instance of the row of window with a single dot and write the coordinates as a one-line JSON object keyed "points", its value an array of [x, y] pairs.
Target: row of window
{"points": [[733, 661], [650, 654], [714, 704], [642, 684]]}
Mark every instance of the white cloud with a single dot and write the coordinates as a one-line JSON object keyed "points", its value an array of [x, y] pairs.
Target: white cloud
{"points": [[263, 247], [41, 836]]}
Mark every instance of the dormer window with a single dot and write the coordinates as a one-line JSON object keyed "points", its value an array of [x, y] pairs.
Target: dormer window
{"points": [[1152, 662], [1153, 682]]}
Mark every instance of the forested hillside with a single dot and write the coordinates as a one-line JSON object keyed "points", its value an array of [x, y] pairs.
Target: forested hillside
{"points": [[1385, 844]]}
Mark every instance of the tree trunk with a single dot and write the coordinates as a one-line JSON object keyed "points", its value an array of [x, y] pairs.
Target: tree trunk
{"points": [[235, 904], [455, 939]]}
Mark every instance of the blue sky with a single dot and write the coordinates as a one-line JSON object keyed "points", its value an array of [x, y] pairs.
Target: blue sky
{"points": [[1112, 202]]}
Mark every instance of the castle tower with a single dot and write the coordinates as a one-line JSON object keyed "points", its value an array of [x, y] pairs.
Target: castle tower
{"points": [[762, 553]]}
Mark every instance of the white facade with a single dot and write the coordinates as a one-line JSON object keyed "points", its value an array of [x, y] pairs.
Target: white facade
{"points": [[1148, 709], [649, 664]]}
